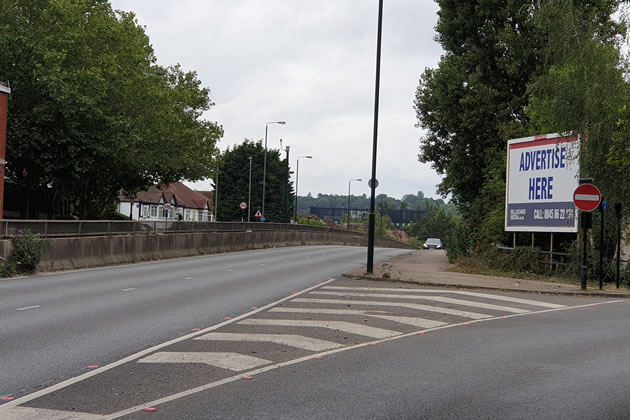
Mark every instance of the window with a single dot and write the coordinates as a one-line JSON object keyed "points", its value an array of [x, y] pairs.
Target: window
{"points": [[145, 211], [199, 216], [187, 215]]}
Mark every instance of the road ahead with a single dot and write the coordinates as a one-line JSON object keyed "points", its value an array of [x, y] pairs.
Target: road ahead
{"points": [[335, 348], [53, 326]]}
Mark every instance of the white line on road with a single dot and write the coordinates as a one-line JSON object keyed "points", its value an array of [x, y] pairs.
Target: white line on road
{"points": [[129, 289], [26, 308], [348, 327], [188, 278], [224, 360], [457, 292], [291, 340], [71, 381], [432, 298], [26, 413], [416, 322], [280, 365], [426, 308]]}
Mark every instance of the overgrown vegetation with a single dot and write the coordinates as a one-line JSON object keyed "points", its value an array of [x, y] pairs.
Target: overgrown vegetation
{"points": [[25, 254], [518, 69]]}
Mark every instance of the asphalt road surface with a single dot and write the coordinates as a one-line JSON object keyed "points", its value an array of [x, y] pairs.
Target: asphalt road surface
{"points": [[53, 326], [289, 343]]}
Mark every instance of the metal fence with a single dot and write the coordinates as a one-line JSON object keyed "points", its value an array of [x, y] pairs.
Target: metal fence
{"points": [[398, 216], [75, 228]]}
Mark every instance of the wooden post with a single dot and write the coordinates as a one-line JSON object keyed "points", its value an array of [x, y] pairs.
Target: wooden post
{"points": [[532, 239], [513, 239]]}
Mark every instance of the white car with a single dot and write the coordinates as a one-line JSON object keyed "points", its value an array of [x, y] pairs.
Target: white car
{"points": [[434, 243]]}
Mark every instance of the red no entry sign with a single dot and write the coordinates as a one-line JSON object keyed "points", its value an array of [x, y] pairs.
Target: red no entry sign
{"points": [[587, 197]]}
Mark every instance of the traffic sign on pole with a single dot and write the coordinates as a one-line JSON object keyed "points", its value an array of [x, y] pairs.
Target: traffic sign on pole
{"points": [[587, 197], [258, 214], [243, 205]]}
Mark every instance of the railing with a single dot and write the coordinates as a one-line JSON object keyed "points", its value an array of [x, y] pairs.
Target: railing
{"points": [[74, 228]]}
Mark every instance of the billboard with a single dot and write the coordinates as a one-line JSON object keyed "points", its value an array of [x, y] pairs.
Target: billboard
{"points": [[542, 174]]}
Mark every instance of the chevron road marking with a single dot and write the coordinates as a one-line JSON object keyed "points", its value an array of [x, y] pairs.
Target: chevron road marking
{"points": [[426, 308], [291, 340], [457, 292], [432, 298], [224, 360], [416, 322], [348, 327]]}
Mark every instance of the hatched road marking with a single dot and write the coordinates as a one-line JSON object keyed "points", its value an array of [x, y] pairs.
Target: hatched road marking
{"points": [[457, 292], [26, 308], [426, 308], [224, 360], [416, 322], [291, 340], [433, 298], [28, 413], [348, 327]]}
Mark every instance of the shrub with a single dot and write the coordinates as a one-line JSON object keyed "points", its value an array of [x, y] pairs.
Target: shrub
{"points": [[26, 252], [519, 259]]}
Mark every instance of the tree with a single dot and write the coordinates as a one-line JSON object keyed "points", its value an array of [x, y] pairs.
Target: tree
{"points": [[234, 184], [476, 98], [91, 112], [437, 223]]}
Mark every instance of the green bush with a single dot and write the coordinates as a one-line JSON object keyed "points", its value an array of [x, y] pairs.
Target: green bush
{"points": [[519, 259], [311, 222], [27, 250]]}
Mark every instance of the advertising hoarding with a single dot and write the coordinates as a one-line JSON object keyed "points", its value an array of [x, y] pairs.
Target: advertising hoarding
{"points": [[542, 174]]}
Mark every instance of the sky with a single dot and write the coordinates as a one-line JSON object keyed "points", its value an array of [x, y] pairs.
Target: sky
{"points": [[310, 63]]}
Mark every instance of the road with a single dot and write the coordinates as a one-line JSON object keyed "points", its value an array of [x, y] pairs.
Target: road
{"points": [[53, 326], [338, 348]]}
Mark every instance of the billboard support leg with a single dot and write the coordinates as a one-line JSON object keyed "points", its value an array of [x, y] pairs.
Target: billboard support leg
{"points": [[532, 240], [551, 252], [513, 239]]}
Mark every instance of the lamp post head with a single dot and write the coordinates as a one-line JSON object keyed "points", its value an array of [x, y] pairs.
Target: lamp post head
{"points": [[277, 122]]}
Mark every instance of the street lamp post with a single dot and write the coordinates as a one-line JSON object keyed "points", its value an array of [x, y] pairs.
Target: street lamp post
{"points": [[286, 185], [265, 164], [249, 195], [355, 179], [297, 174]]}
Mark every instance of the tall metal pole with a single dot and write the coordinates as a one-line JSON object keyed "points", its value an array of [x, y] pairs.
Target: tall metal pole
{"points": [[216, 194], [349, 204], [249, 196], [265, 165], [264, 172], [297, 177], [618, 214], [601, 245], [357, 179], [370, 254]]}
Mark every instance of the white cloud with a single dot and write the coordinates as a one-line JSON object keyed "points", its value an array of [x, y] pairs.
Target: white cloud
{"points": [[310, 63]]}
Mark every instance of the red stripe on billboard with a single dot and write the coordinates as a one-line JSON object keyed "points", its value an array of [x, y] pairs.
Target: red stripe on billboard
{"points": [[542, 142]]}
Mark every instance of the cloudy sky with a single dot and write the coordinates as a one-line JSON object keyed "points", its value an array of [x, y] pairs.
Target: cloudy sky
{"points": [[310, 63]]}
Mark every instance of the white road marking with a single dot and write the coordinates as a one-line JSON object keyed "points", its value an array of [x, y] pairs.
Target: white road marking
{"points": [[230, 269], [82, 377], [224, 360], [129, 289], [280, 365], [26, 308], [417, 322], [457, 292], [28, 413], [348, 327], [291, 340], [426, 308], [432, 298], [188, 278]]}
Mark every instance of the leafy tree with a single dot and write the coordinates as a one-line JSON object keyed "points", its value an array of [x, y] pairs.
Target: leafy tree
{"points": [[91, 112], [476, 98], [234, 184], [437, 223]]}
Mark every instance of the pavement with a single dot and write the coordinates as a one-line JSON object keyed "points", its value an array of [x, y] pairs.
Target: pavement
{"points": [[431, 268]]}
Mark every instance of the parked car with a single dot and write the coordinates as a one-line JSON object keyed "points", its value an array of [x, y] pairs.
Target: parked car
{"points": [[434, 243]]}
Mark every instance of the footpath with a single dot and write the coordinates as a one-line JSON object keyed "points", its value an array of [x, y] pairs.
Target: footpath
{"points": [[431, 268]]}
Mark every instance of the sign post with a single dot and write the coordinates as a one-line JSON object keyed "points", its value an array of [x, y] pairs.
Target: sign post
{"points": [[586, 198]]}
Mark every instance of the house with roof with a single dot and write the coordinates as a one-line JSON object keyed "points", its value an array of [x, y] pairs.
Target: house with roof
{"points": [[169, 202]]}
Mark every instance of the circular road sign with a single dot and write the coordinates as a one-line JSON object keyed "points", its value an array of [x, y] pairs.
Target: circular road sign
{"points": [[587, 197], [243, 205], [373, 181]]}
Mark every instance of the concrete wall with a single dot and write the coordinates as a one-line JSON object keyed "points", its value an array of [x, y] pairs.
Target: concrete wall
{"points": [[71, 253]]}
